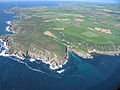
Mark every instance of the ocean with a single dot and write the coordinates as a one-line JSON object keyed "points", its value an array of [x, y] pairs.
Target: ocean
{"points": [[100, 73]]}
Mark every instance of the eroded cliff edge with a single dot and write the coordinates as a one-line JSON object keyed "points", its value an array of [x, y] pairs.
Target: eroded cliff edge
{"points": [[35, 52], [48, 33]]}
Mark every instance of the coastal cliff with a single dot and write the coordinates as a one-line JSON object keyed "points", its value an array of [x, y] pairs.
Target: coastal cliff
{"points": [[52, 59], [48, 34]]}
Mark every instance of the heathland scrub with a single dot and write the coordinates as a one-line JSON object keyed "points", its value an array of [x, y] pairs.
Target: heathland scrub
{"points": [[48, 33]]}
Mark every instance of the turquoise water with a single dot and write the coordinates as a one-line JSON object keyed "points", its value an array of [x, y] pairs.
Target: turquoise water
{"points": [[100, 73]]}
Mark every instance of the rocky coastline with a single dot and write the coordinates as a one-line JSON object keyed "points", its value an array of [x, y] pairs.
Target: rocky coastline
{"points": [[55, 61], [104, 52], [47, 57], [11, 48]]}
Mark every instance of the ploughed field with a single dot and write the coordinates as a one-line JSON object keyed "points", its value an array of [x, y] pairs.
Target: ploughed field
{"points": [[77, 27]]}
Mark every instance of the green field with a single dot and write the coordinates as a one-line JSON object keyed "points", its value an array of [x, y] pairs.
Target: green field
{"points": [[74, 34]]}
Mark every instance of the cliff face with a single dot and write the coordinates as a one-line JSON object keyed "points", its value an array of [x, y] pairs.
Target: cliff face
{"points": [[46, 56], [15, 44], [48, 33]]}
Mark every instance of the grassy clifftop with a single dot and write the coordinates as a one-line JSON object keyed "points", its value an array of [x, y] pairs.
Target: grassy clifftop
{"points": [[80, 27]]}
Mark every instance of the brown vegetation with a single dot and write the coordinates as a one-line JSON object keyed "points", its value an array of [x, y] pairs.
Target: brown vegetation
{"points": [[48, 33], [100, 29], [79, 20]]}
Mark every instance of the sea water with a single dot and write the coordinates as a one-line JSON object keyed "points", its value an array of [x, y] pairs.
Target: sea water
{"points": [[100, 73]]}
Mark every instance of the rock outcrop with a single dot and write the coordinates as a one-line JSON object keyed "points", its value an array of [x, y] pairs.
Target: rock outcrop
{"points": [[52, 59]]}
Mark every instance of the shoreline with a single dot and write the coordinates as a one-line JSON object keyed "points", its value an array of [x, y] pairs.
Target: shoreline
{"points": [[9, 22], [6, 48], [53, 64], [81, 54], [9, 27], [3, 52], [112, 53]]}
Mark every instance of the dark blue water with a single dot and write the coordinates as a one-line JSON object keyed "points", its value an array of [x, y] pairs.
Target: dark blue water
{"points": [[100, 73]]}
